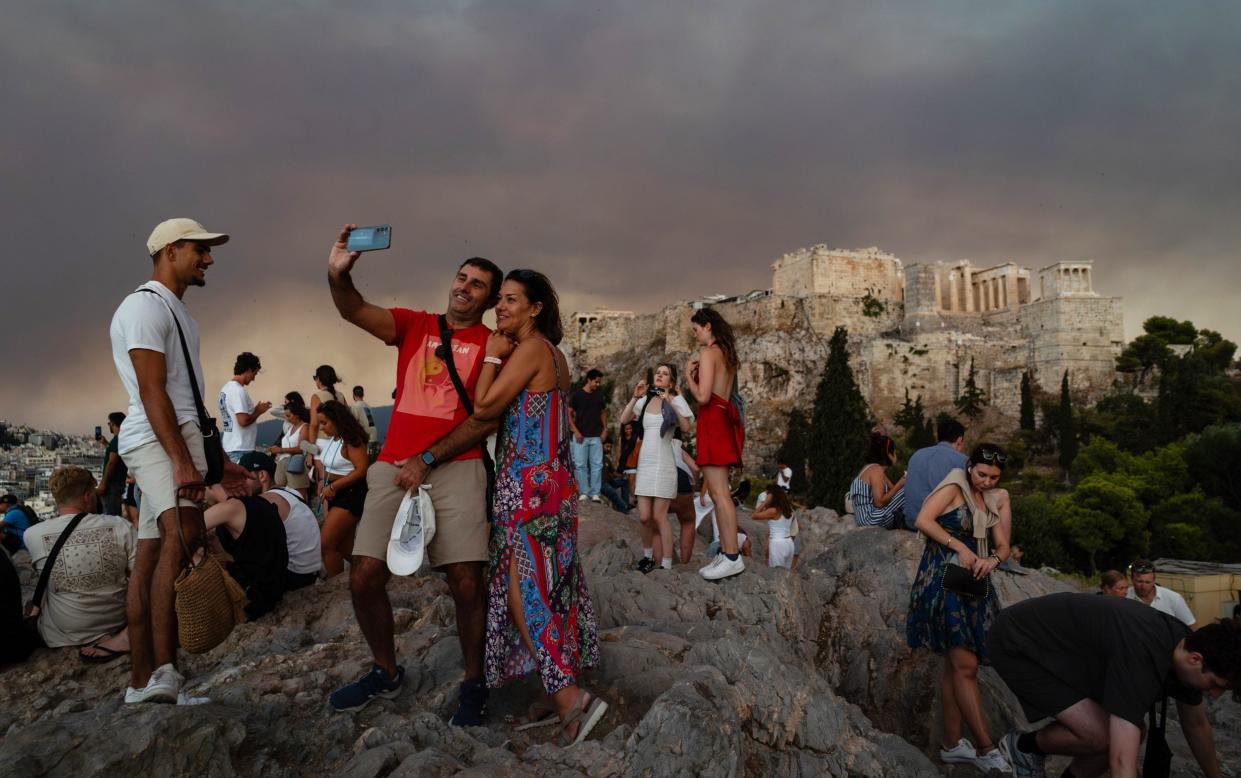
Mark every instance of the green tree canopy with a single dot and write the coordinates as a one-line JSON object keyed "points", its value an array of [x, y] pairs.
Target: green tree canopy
{"points": [[793, 451], [1104, 518], [972, 399], [839, 428]]}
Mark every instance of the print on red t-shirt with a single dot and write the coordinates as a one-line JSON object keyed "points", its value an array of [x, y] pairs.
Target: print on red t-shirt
{"points": [[427, 406]]}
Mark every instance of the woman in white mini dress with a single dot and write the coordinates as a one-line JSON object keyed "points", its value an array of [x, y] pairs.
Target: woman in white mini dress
{"points": [[659, 411]]}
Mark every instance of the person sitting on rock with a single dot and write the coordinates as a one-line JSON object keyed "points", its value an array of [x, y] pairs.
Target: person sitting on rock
{"points": [[271, 534], [952, 620], [612, 484], [777, 511], [85, 598], [928, 466], [1097, 665], [876, 501]]}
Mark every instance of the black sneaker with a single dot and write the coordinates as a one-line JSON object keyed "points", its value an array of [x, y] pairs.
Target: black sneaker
{"points": [[646, 565], [358, 694], [472, 708]]}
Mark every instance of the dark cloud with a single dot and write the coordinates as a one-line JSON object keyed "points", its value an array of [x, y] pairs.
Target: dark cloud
{"points": [[638, 152]]}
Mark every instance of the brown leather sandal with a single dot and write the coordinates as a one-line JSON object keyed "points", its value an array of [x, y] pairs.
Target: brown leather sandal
{"points": [[586, 713]]}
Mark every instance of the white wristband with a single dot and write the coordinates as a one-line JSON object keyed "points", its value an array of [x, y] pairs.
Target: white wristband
{"points": [[493, 360]]}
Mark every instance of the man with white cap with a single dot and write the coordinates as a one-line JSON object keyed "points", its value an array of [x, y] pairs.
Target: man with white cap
{"points": [[161, 443]]}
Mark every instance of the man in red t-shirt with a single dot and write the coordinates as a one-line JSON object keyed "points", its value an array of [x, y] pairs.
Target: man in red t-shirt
{"points": [[431, 440]]}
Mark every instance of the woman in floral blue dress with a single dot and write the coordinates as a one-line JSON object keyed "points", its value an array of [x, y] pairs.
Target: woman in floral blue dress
{"points": [[957, 520], [539, 611]]}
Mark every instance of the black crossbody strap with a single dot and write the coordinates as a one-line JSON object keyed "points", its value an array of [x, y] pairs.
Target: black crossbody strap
{"points": [[189, 365], [40, 589], [451, 364]]}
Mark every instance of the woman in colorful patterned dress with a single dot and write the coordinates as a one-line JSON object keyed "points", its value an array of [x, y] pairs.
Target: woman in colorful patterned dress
{"points": [[956, 520], [539, 612]]}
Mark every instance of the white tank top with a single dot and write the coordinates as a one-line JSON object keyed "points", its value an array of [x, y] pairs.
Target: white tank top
{"points": [[778, 529], [291, 439], [332, 455], [301, 533]]}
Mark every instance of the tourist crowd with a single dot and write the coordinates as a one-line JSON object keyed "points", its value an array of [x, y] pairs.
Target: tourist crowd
{"points": [[325, 496]]}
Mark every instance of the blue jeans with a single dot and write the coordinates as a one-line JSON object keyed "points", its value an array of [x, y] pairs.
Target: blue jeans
{"points": [[588, 464], [617, 492]]}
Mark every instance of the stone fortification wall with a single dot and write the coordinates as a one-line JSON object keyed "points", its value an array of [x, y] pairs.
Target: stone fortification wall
{"points": [[1083, 335], [819, 270]]}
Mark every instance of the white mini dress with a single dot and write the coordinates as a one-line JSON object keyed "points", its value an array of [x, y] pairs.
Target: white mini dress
{"points": [[657, 467]]}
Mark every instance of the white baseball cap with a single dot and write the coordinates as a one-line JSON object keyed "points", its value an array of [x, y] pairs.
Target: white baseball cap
{"points": [[174, 230]]}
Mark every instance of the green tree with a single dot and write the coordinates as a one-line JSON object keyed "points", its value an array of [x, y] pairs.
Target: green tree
{"points": [[1195, 526], [925, 436], [1125, 419], [1039, 530], [1067, 434], [972, 399], [793, 450], [1027, 403], [1213, 459], [839, 427], [1100, 456], [1105, 520]]}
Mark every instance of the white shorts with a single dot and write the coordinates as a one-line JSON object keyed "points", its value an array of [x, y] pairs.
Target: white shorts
{"points": [[151, 467]]}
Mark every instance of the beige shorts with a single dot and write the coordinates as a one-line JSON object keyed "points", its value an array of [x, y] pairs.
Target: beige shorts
{"points": [[458, 492], [151, 468]]}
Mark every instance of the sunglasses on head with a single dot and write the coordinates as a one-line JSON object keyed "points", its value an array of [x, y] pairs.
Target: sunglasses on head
{"points": [[991, 455], [1141, 569]]}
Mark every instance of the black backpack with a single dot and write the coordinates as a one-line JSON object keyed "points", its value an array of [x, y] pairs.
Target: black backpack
{"points": [[30, 514]]}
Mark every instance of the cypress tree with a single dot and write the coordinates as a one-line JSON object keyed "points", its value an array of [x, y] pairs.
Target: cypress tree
{"points": [[793, 450], [1068, 429], [839, 428], [1027, 403], [971, 400]]}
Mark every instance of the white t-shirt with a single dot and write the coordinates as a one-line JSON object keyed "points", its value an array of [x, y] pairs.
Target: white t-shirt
{"points": [[784, 477], [143, 322], [301, 533], [1169, 602], [86, 591], [234, 399], [362, 412]]}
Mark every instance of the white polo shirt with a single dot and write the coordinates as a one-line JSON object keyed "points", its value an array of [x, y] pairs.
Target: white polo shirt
{"points": [[1169, 602], [144, 322]]}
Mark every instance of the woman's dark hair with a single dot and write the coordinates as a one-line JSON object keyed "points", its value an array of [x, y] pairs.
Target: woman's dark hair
{"points": [[780, 499], [294, 397], [1110, 579], [299, 410], [881, 449], [327, 376], [988, 454], [539, 290], [723, 332], [347, 426]]}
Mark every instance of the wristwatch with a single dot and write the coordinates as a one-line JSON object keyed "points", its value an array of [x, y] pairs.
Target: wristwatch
{"points": [[428, 458]]}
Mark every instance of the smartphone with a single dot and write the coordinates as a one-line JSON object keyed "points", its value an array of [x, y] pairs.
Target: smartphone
{"points": [[98, 431], [370, 238]]}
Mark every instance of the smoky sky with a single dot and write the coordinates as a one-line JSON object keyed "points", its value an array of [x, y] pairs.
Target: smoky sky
{"points": [[637, 152]]}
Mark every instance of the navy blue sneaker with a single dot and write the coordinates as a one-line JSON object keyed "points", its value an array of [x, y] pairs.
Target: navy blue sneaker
{"points": [[473, 704], [374, 684]]}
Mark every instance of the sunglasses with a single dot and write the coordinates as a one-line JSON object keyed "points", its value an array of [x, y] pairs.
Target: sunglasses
{"points": [[991, 455], [1141, 569]]}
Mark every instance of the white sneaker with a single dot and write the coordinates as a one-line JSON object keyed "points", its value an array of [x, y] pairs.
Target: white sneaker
{"points": [[715, 560], [595, 498], [1024, 765], [163, 686], [962, 753], [581, 498], [185, 699], [726, 567], [992, 760]]}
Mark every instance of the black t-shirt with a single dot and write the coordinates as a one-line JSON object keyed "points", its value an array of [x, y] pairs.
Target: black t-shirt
{"points": [[587, 410], [1115, 651], [119, 472]]}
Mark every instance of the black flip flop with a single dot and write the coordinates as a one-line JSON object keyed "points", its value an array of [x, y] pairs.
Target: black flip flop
{"points": [[109, 654]]}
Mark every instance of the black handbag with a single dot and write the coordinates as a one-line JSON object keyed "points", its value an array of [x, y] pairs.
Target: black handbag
{"points": [[1158, 760], [213, 447], [960, 580]]}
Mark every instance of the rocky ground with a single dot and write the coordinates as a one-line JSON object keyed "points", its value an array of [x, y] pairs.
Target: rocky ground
{"points": [[769, 673]]}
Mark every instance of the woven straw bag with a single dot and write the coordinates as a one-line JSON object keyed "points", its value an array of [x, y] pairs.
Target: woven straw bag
{"points": [[209, 603]]}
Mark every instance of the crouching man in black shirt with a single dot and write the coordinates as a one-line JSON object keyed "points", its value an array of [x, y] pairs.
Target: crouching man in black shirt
{"points": [[1098, 664]]}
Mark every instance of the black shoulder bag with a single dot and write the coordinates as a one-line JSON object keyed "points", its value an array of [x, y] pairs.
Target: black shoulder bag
{"points": [[451, 364], [213, 448], [31, 615], [1158, 760]]}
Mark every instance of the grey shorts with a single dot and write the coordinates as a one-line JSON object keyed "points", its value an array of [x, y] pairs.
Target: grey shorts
{"points": [[151, 468], [458, 492]]}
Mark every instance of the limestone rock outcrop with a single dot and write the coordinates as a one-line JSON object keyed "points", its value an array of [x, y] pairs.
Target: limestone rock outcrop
{"points": [[770, 673]]}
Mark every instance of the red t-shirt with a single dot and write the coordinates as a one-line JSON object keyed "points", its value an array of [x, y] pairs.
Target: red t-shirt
{"points": [[427, 406]]}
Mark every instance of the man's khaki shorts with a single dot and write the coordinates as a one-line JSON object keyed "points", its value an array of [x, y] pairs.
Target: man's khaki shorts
{"points": [[151, 468], [458, 492]]}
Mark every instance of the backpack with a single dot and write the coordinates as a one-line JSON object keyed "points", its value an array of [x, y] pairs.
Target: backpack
{"points": [[30, 514]]}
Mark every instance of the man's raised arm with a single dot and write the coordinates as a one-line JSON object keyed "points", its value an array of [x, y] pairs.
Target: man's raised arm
{"points": [[353, 308]]}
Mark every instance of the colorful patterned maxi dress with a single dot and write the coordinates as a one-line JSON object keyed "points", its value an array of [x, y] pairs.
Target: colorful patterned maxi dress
{"points": [[939, 619], [535, 518]]}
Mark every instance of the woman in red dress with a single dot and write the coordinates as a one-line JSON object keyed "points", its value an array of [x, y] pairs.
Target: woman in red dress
{"points": [[712, 377]]}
